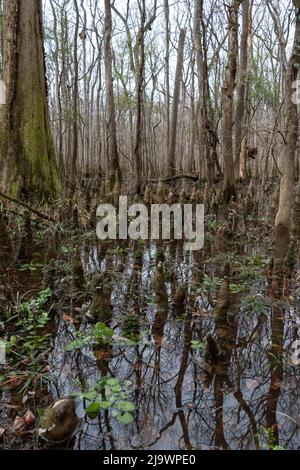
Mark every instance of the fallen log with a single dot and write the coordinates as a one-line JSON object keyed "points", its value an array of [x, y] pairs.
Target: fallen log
{"points": [[28, 207], [173, 178]]}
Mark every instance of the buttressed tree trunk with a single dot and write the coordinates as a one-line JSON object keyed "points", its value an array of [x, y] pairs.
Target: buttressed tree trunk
{"points": [[26, 148], [283, 224], [228, 90], [113, 156]]}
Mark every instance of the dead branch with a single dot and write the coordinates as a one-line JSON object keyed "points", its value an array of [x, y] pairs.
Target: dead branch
{"points": [[28, 207]]}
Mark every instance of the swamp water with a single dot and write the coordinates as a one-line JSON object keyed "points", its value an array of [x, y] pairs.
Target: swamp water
{"points": [[156, 352]]}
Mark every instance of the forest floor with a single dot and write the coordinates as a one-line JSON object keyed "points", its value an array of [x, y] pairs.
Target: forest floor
{"points": [[150, 361]]}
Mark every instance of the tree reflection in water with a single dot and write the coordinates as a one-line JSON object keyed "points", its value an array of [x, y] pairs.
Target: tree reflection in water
{"points": [[246, 397]]}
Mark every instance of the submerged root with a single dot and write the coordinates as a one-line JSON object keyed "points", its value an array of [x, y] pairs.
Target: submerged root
{"points": [[223, 303], [78, 279], [180, 294], [101, 305]]}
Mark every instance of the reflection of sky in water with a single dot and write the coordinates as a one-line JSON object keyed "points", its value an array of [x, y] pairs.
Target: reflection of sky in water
{"points": [[159, 424]]}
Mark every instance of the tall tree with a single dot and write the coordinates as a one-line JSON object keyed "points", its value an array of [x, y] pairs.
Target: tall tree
{"points": [[75, 98], [208, 135], [175, 105], [1, 40], [113, 156], [243, 86], [228, 90], [167, 69], [137, 65], [29, 164], [283, 217]]}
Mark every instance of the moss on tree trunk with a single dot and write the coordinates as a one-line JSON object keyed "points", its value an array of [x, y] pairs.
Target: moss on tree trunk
{"points": [[27, 152]]}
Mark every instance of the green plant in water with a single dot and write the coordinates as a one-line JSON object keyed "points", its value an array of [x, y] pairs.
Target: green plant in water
{"points": [[255, 305], [210, 284], [238, 288], [195, 344], [213, 284], [257, 261], [131, 327], [32, 313], [100, 334], [109, 394], [267, 435], [29, 342], [119, 251]]}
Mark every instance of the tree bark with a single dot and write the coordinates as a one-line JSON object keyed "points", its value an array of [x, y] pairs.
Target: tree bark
{"points": [[1, 40], [139, 66], [137, 152], [167, 70], [208, 136], [174, 116], [242, 92], [75, 98], [29, 166], [283, 217], [228, 90], [113, 156]]}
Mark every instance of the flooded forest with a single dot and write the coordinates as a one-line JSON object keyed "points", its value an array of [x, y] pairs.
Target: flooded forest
{"points": [[119, 330]]}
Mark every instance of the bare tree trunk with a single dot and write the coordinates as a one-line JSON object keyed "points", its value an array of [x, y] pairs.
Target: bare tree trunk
{"points": [[174, 117], [202, 85], [29, 164], [139, 59], [208, 136], [228, 89], [1, 40], [75, 102], [283, 217], [58, 92], [167, 69], [113, 156], [242, 94], [140, 63], [190, 159]]}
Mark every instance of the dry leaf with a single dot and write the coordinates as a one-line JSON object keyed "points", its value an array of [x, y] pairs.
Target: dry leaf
{"points": [[19, 426], [29, 417], [70, 319], [14, 381], [2, 432], [22, 424]]}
